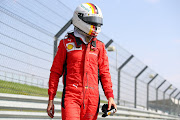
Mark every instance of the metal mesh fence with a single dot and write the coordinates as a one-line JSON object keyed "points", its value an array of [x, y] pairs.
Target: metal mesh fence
{"points": [[26, 55]]}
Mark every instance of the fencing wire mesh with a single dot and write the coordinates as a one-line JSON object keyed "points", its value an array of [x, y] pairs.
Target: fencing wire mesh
{"points": [[26, 55]]}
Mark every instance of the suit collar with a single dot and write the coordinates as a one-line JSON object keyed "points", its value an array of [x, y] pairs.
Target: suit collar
{"points": [[79, 42]]}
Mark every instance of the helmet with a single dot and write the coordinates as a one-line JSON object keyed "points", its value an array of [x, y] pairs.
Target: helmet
{"points": [[88, 18]]}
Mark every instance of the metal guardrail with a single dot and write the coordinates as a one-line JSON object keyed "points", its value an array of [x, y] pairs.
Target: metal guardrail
{"points": [[21, 78], [14, 106]]}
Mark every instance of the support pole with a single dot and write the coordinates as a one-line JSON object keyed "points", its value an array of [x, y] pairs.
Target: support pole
{"points": [[108, 43], [164, 96], [176, 108], [157, 94], [119, 76], [148, 90], [176, 95], [172, 93], [135, 84], [63, 29], [55, 46], [170, 96]]}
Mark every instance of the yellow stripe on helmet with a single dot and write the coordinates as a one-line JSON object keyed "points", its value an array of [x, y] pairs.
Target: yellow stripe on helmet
{"points": [[90, 31], [92, 8]]}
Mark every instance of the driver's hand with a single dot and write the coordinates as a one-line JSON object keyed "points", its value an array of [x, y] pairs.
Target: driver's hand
{"points": [[50, 108]]}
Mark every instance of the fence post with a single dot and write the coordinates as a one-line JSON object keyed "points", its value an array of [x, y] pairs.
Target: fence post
{"points": [[55, 46], [64, 28], [25, 80], [157, 94], [119, 76], [148, 90], [19, 78], [176, 95], [12, 77], [176, 108], [170, 100], [135, 84], [5, 76], [32, 80], [164, 96], [108, 43]]}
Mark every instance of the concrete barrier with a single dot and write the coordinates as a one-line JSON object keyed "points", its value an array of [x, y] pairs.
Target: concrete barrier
{"points": [[14, 107]]}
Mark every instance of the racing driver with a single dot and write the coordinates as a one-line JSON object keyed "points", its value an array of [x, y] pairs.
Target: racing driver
{"points": [[79, 59]]}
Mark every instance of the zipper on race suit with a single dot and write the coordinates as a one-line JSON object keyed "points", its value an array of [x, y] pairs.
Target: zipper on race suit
{"points": [[86, 87], [83, 79]]}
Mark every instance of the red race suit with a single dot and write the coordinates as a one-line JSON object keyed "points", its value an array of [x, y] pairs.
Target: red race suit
{"points": [[79, 64]]}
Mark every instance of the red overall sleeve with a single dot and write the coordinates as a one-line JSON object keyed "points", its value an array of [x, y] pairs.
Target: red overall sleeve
{"points": [[57, 70], [104, 72]]}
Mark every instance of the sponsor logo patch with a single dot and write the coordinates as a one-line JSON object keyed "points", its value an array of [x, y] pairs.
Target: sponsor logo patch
{"points": [[93, 53], [71, 47]]}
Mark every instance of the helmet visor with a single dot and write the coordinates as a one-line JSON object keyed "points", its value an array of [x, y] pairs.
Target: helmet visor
{"points": [[93, 20]]}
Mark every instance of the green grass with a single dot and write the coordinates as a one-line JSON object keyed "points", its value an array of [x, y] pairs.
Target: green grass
{"points": [[23, 89]]}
